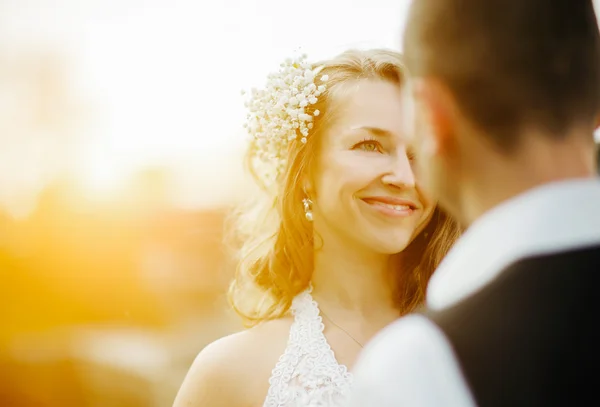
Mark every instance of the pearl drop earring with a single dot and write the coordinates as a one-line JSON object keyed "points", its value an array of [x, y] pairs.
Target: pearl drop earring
{"points": [[308, 209]]}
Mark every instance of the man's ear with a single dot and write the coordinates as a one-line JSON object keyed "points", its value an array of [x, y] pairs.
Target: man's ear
{"points": [[435, 106]]}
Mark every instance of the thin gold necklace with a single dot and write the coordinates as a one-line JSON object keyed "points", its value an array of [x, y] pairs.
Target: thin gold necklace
{"points": [[340, 328]]}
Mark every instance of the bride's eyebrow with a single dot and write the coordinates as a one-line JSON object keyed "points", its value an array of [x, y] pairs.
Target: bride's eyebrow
{"points": [[376, 131]]}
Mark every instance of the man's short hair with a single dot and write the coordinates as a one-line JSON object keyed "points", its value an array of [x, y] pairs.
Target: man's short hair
{"points": [[510, 64]]}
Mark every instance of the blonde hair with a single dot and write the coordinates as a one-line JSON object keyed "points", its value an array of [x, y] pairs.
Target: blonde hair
{"points": [[276, 244]]}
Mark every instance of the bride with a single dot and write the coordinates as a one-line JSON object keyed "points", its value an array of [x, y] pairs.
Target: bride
{"points": [[341, 242]]}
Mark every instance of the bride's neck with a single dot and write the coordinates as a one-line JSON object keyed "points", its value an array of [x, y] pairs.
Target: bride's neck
{"points": [[353, 280]]}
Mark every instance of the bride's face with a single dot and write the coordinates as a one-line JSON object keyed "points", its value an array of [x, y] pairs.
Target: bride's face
{"points": [[365, 190]]}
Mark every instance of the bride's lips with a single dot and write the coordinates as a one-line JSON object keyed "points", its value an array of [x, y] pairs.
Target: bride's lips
{"points": [[391, 206]]}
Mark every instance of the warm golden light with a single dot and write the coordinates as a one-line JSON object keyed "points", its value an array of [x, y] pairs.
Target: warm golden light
{"points": [[122, 140]]}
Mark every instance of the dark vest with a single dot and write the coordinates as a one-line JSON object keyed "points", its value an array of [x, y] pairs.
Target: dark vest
{"points": [[532, 336]]}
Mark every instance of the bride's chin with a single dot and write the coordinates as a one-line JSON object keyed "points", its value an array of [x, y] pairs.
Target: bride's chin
{"points": [[390, 246]]}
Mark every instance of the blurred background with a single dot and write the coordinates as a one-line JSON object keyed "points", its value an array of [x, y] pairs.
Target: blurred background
{"points": [[120, 157]]}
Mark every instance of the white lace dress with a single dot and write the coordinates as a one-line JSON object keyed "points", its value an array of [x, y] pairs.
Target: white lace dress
{"points": [[308, 374]]}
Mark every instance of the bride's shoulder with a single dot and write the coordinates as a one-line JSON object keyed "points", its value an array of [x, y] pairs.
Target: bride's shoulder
{"points": [[247, 345], [250, 343], [242, 361]]}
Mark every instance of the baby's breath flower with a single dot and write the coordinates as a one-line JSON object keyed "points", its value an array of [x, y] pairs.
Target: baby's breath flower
{"points": [[277, 116]]}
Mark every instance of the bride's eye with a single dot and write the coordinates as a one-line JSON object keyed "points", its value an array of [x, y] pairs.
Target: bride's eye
{"points": [[369, 145]]}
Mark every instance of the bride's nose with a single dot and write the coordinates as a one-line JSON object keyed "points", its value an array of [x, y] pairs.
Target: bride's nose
{"points": [[399, 173]]}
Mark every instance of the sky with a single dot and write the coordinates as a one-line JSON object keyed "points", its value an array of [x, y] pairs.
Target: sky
{"points": [[160, 81]]}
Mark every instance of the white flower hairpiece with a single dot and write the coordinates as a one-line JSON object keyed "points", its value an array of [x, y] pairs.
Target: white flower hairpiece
{"points": [[277, 114]]}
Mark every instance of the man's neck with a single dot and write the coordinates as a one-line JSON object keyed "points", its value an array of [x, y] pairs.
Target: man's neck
{"points": [[537, 163]]}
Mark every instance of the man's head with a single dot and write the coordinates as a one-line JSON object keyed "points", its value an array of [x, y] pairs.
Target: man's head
{"points": [[494, 78]]}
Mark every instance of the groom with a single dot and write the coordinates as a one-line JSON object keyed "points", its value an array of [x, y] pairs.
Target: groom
{"points": [[507, 95]]}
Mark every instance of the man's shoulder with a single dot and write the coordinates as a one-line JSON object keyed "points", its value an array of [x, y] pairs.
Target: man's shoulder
{"points": [[404, 346], [538, 284], [409, 362], [534, 320], [411, 331], [525, 305]]}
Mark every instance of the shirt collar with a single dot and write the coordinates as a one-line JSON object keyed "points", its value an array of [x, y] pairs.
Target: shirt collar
{"points": [[551, 218]]}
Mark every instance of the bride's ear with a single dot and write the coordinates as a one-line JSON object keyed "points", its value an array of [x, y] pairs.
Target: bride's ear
{"points": [[307, 187]]}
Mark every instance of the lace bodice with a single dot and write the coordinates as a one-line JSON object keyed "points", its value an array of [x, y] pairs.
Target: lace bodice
{"points": [[307, 374]]}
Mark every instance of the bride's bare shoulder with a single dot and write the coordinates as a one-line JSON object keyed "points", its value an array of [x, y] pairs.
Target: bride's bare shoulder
{"points": [[234, 370]]}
